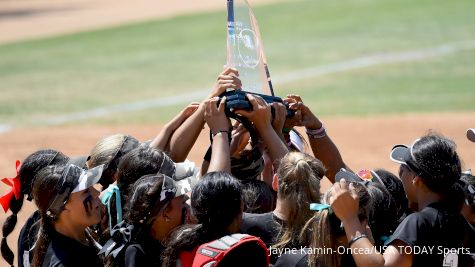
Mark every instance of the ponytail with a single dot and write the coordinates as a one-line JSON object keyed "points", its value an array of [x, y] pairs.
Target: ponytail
{"points": [[455, 196], [26, 174], [8, 227], [44, 238], [318, 232]]}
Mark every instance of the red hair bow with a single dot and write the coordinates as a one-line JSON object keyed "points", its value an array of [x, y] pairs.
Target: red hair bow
{"points": [[15, 185]]}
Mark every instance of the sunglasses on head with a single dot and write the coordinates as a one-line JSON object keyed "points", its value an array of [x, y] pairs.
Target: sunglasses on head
{"points": [[370, 176]]}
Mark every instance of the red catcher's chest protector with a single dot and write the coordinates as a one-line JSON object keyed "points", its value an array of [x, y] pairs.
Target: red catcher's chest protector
{"points": [[210, 254]]}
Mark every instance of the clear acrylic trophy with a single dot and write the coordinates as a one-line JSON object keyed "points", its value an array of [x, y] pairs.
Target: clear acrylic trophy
{"points": [[245, 50]]}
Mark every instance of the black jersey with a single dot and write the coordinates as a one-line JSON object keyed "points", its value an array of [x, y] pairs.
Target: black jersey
{"points": [[435, 235], [67, 252], [27, 239], [146, 253]]}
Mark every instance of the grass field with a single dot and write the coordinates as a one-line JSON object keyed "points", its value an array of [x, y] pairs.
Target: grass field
{"points": [[74, 73]]}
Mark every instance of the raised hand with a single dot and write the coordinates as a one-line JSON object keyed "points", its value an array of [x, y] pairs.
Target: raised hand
{"points": [[344, 200], [260, 114], [304, 116], [226, 79], [280, 113], [215, 116]]}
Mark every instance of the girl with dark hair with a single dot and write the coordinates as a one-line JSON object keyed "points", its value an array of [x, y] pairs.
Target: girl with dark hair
{"points": [[68, 204], [394, 186], [217, 205], [145, 160], [383, 218], [468, 209], [258, 196], [157, 201], [21, 186], [430, 172]]}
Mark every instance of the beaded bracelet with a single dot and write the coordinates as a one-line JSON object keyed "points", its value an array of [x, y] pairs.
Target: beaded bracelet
{"points": [[356, 238], [316, 133]]}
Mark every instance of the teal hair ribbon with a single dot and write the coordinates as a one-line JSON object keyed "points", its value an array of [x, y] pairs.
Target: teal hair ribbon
{"points": [[320, 207], [106, 200]]}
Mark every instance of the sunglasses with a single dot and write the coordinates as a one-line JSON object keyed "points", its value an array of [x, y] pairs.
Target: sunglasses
{"points": [[370, 176]]}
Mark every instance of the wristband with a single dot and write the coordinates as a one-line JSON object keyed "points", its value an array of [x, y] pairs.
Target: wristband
{"points": [[356, 238]]}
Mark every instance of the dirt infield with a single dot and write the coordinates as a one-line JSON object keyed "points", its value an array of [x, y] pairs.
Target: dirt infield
{"points": [[363, 142]]}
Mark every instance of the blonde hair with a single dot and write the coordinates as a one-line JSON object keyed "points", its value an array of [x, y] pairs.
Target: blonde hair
{"points": [[321, 230], [108, 152], [299, 176]]}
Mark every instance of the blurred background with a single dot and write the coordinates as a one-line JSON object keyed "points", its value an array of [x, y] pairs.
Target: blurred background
{"points": [[377, 72]]}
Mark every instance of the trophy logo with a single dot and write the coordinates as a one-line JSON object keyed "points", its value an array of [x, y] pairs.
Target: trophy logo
{"points": [[245, 51]]}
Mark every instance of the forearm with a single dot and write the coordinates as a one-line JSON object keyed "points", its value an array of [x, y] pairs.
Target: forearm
{"points": [[220, 158], [276, 147], [327, 152], [185, 136], [363, 251], [161, 140]]}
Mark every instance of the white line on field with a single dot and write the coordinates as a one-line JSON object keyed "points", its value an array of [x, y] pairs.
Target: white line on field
{"points": [[4, 128], [376, 59], [197, 94]]}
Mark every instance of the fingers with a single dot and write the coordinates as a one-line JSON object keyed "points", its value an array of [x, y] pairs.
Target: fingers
{"points": [[222, 105], [294, 98], [211, 105], [344, 185], [256, 101], [227, 81], [297, 105], [222, 79], [353, 192], [228, 71]]}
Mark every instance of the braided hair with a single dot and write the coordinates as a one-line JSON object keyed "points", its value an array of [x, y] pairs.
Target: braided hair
{"points": [[29, 168]]}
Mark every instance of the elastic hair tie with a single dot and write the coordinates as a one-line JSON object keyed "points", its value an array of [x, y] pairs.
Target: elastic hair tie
{"points": [[106, 200]]}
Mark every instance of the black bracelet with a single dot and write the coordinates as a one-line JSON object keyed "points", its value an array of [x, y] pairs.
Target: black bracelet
{"points": [[356, 238]]}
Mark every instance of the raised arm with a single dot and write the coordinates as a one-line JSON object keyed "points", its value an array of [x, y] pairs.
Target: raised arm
{"points": [[260, 116], [322, 145], [220, 127], [185, 136], [162, 140]]}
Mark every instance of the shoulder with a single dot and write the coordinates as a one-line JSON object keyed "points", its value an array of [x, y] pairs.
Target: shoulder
{"points": [[411, 228], [256, 218], [298, 259], [261, 225], [263, 221]]}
